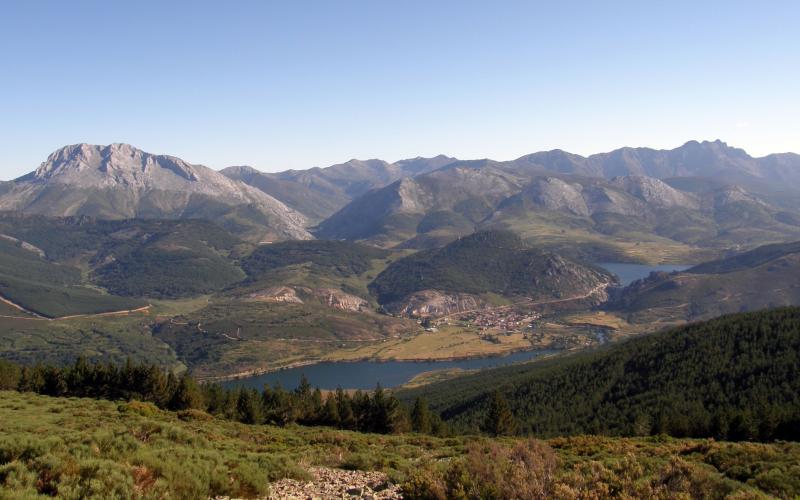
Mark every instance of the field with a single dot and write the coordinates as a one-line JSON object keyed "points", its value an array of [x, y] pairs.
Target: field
{"points": [[81, 448], [449, 342]]}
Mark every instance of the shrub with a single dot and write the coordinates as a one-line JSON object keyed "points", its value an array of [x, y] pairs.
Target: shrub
{"points": [[524, 471]]}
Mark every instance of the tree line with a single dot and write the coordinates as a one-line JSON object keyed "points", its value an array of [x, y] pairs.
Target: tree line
{"points": [[376, 411]]}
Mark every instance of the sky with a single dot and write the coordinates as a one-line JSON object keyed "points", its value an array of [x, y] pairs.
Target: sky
{"points": [[297, 84]]}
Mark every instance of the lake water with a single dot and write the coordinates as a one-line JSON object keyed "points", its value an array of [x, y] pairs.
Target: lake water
{"points": [[365, 374], [628, 273]]}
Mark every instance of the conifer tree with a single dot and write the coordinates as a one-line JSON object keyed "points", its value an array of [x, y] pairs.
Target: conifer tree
{"points": [[499, 419], [421, 417]]}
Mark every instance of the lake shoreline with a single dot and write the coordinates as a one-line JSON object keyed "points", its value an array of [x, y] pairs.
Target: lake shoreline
{"points": [[367, 359]]}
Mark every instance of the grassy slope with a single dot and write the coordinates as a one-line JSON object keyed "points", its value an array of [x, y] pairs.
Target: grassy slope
{"points": [[51, 289], [761, 278], [99, 449]]}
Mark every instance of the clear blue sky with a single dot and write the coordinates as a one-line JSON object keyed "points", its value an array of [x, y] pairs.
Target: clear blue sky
{"points": [[297, 84]]}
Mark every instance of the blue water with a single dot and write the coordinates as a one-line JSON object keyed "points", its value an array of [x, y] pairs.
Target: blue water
{"points": [[365, 374], [628, 273]]}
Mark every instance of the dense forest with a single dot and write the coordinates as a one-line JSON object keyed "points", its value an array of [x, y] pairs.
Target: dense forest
{"points": [[375, 411], [734, 377]]}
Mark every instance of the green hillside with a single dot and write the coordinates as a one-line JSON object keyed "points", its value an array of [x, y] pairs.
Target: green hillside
{"points": [[753, 258], [734, 377], [142, 258], [761, 278], [488, 261], [339, 258], [50, 289]]}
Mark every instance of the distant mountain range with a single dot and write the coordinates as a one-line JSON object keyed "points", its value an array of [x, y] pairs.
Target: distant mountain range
{"points": [[700, 195]]}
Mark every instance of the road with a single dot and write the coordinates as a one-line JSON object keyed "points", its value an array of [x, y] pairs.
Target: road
{"points": [[529, 302], [38, 317]]}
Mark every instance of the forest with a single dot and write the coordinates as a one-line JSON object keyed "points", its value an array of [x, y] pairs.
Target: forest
{"points": [[734, 378]]}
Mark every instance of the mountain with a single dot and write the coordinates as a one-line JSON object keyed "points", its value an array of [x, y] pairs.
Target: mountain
{"points": [[120, 182], [711, 159], [319, 192], [487, 262], [733, 377], [768, 276], [631, 217], [461, 195]]}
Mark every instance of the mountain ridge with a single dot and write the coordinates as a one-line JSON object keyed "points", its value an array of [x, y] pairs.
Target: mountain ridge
{"points": [[119, 181]]}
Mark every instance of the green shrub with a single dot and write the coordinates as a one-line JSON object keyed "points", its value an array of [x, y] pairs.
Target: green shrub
{"points": [[142, 408]]}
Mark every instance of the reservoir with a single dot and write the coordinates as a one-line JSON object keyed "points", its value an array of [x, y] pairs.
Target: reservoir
{"points": [[628, 273], [365, 374]]}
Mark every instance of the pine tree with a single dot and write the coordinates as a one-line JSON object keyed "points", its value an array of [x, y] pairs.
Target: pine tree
{"points": [[248, 407], [421, 417], [330, 412], [186, 395], [499, 420]]}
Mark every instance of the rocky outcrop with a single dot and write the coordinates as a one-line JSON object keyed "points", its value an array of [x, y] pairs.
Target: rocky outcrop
{"points": [[277, 294], [654, 192], [337, 483], [337, 299], [435, 303]]}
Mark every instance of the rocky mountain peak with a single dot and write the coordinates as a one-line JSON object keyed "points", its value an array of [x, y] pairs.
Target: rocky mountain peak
{"points": [[87, 164]]}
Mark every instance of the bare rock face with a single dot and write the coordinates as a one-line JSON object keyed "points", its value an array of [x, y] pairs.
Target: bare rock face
{"points": [[435, 303], [730, 195], [554, 194], [337, 299], [654, 192], [277, 294], [119, 181]]}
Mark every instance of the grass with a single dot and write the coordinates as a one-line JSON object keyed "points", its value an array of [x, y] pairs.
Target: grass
{"points": [[447, 343], [80, 448]]}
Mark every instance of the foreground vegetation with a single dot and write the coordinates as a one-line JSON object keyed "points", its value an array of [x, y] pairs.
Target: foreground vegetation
{"points": [[83, 448], [734, 378]]}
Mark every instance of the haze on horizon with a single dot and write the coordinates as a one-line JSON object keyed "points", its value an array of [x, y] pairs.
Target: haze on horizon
{"points": [[302, 84]]}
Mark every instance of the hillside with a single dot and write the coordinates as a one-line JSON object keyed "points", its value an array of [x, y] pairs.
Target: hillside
{"points": [[121, 182], [48, 289], [102, 449], [140, 258], [733, 377], [767, 276], [495, 262]]}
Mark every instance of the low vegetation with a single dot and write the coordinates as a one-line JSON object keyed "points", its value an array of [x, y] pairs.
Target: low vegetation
{"points": [[85, 448]]}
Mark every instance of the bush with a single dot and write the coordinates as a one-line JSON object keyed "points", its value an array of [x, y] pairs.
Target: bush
{"points": [[525, 471]]}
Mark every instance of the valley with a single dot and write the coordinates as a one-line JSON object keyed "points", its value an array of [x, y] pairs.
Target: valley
{"points": [[423, 260]]}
